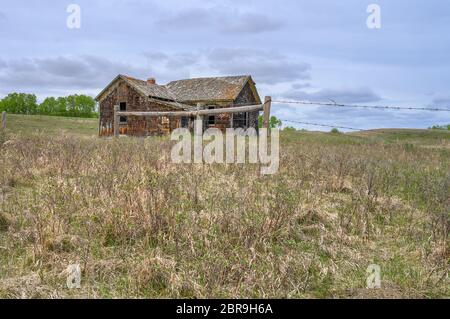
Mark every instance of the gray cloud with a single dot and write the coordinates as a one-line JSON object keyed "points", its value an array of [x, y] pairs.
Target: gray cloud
{"points": [[441, 101], [20, 65], [63, 66], [3, 16], [79, 72], [224, 19], [182, 60], [158, 56], [266, 66], [227, 54], [252, 23], [353, 95], [190, 19], [170, 66], [297, 86]]}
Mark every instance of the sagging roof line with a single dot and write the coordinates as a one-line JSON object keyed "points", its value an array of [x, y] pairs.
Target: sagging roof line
{"points": [[226, 88]]}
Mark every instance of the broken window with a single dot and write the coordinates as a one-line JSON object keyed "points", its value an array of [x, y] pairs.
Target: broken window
{"points": [[211, 118], [240, 120], [164, 120], [123, 108], [185, 122]]}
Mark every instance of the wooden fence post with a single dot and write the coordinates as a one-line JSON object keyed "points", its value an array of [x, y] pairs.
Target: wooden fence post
{"points": [[266, 110], [198, 125], [3, 120], [116, 120]]}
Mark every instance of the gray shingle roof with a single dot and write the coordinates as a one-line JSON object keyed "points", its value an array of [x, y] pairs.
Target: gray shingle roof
{"points": [[208, 89], [182, 91], [159, 91]]}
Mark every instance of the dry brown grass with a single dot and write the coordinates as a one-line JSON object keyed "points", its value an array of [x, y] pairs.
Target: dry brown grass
{"points": [[140, 226]]}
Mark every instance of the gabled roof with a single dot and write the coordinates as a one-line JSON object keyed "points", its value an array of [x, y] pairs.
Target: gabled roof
{"points": [[143, 87], [208, 89], [190, 90], [158, 93], [152, 90]]}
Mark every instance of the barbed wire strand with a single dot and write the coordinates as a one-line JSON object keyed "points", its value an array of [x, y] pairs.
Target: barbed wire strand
{"points": [[361, 106], [323, 125]]}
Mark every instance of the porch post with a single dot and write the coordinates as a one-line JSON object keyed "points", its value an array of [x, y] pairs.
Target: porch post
{"points": [[198, 125], [266, 110], [116, 120]]}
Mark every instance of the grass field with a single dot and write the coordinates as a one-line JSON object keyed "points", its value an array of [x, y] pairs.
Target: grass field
{"points": [[36, 124], [140, 226]]}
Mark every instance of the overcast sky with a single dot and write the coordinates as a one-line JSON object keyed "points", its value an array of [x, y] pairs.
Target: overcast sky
{"points": [[301, 50]]}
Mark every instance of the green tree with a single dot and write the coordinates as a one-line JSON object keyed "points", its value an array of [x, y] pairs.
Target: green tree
{"points": [[72, 105], [273, 122], [335, 131], [80, 106], [20, 103], [85, 105], [61, 107], [48, 106]]}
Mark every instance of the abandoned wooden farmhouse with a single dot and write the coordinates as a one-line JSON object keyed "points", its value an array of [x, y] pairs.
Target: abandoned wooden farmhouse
{"points": [[133, 95]]}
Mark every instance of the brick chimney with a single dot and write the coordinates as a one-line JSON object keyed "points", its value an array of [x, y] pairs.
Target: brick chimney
{"points": [[151, 81]]}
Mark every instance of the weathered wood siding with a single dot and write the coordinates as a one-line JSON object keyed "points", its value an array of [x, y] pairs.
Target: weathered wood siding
{"points": [[223, 121], [136, 125], [246, 97]]}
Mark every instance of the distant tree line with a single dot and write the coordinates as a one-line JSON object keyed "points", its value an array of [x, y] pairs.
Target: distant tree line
{"points": [[72, 105], [441, 127]]}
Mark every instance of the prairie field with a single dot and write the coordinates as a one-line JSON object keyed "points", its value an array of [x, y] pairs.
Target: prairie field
{"points": [[140, 226]]}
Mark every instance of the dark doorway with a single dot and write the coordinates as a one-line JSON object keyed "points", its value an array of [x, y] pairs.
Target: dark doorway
{"points": [[123, 108], [211, 118]]}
